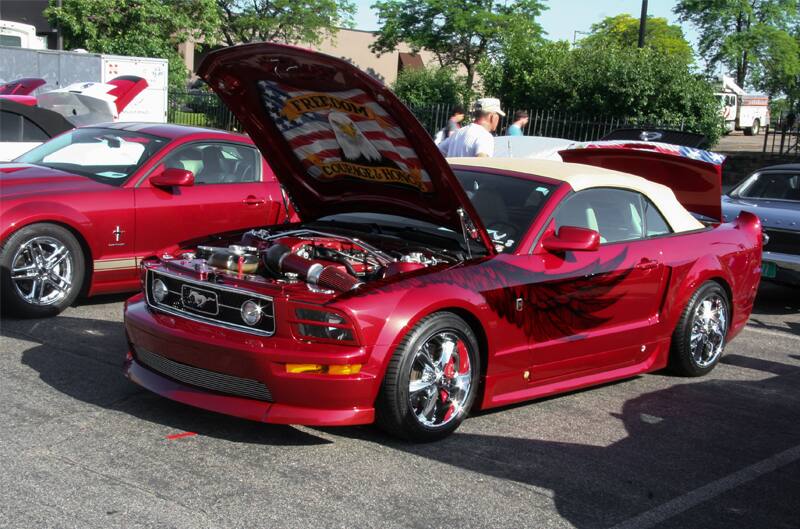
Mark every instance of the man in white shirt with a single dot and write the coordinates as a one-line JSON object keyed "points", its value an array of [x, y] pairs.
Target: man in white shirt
{"points": [[476, 138]]}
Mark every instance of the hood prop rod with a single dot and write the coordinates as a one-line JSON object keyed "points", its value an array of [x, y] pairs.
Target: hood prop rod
{"points": [[462, 216]]}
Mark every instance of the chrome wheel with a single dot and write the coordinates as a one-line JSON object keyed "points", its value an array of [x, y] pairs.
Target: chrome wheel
{"points": [[440, 379], [42, 271], [709, 327]]}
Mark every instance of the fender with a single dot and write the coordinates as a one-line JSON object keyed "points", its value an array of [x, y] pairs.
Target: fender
{"points": [[415, 305], [27, 213]]}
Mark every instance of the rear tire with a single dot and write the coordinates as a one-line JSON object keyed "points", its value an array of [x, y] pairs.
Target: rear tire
{"points": [[699, 337], [431, 381], [42, 268]]}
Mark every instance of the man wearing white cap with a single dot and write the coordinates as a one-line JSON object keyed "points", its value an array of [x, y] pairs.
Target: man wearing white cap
{"points": [[475, 139]]}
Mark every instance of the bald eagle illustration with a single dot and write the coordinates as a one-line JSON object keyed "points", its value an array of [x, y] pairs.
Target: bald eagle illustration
{"points": [[354, 144]]}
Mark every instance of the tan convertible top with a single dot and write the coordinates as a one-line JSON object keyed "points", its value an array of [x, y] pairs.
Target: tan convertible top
{"points": [[580, 177]]}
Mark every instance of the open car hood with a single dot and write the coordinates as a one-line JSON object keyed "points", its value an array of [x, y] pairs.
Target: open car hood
{"points": [[90, 103], [694, 175], [337, 139]]}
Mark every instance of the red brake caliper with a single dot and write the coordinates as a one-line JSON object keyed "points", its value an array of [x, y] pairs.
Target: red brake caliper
{"points": [[450, 372]]}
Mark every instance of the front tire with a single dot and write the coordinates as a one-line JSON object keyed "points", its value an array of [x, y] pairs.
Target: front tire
{"points": [[699, 338], [41, 271], [431, 381]]}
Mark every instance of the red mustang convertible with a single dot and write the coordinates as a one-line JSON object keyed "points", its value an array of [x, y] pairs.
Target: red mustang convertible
{"points": [[79, 212], [416, 290]]}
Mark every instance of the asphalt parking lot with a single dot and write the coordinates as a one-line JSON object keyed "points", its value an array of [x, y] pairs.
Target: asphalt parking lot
{"points": [[82, 447]]}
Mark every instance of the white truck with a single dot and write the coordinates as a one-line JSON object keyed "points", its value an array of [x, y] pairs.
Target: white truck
{"points": [[60, 69], [742, 111], [17, 35]]}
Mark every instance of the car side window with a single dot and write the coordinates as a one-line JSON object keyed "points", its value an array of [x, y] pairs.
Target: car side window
{"points": [[614, 213], [655, 223], [14, 127], [217, 163]]}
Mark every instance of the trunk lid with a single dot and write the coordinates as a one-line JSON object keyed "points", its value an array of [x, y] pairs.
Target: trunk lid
{"points": [[694, 175]]}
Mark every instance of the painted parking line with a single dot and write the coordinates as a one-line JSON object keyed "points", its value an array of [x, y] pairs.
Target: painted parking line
{"points": [[702, 494]]}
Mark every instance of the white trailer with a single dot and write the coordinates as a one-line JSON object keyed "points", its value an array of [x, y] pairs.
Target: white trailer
{"points": [[63, 68], [17, 35], [742, 111]]}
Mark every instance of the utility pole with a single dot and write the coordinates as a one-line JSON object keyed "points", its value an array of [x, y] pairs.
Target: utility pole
{"points": [[59, 35], [643, 23]]}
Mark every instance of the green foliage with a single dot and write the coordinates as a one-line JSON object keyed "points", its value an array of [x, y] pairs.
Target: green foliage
{"points": [[459, 32], [418, 88], [285, 21], [747, 36], [643, 84], [142, 28], [623, 31]]}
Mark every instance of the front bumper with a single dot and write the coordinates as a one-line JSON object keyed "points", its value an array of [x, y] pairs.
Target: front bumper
{"points": [[310, 399], [788, 266]]}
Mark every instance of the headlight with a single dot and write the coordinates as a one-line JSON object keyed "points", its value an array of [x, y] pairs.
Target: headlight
{"points": [[159, 290], [324, 325], [251, 312]]}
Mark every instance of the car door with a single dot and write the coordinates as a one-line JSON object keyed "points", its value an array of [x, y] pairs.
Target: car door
{"points": [[231, 191], [598, 309]]}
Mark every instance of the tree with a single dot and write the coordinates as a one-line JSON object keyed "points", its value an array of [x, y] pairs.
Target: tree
{"points": [[623, 30], [286, 21], [429, 86], [742, 34], [458, 32], [644, 85], [778, 72], [143, 28]]}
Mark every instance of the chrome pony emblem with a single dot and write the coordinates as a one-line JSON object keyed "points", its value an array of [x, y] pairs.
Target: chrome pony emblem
{"points": [[650, 135], [199, 300]]}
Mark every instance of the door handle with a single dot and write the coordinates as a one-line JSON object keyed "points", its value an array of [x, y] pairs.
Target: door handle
{"points": [[647, 264], [253, 201]]}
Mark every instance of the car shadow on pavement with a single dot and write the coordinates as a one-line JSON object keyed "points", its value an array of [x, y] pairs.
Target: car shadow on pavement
{"points": [[776, 299], [678, 439], [102, 299], [82, 358]]}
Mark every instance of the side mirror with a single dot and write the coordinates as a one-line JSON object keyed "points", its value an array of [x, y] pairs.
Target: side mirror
{"points": [[172, 176], [572, 238]]}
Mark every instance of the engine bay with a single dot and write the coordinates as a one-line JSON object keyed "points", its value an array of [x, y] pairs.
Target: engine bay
{"points": [[323, 260]]}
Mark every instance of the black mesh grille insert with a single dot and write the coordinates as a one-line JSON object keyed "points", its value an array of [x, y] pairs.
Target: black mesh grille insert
{"points": [[202, 378], [781, 241], [209, 302]]}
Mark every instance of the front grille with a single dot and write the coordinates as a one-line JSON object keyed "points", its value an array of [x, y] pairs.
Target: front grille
{"points": [[202, 378], [783, 241], [209, 302]]}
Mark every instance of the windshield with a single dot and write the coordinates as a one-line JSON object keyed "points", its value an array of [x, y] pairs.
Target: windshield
{"points": [[769, 185], [105, 155], [505, 204]]}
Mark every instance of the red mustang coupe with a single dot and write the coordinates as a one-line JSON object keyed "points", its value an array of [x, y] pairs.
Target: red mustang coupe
{"points": [[78, 213], [416, 290]]}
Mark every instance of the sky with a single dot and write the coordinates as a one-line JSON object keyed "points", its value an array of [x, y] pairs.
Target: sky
{"points": [[564, 17]]}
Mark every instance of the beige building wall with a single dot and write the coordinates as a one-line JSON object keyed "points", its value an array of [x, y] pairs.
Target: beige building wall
{"points": [[353, 45], [349, 44]]}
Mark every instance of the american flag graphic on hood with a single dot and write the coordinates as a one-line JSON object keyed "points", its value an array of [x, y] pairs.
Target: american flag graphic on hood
{"points": [[343, 135]]}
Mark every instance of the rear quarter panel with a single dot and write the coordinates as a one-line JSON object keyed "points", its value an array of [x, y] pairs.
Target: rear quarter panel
{"points": [[728, 253]]}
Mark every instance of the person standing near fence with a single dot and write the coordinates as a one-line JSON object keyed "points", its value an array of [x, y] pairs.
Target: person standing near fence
{"points": [[476, 138], [452, 126], [520, 120]]}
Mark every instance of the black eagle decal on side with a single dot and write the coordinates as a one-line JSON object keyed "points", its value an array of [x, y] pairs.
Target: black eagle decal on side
{"points": [[554, 305]]}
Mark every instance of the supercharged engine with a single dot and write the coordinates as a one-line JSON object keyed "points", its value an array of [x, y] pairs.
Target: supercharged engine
{"points": [[323, 260]]}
